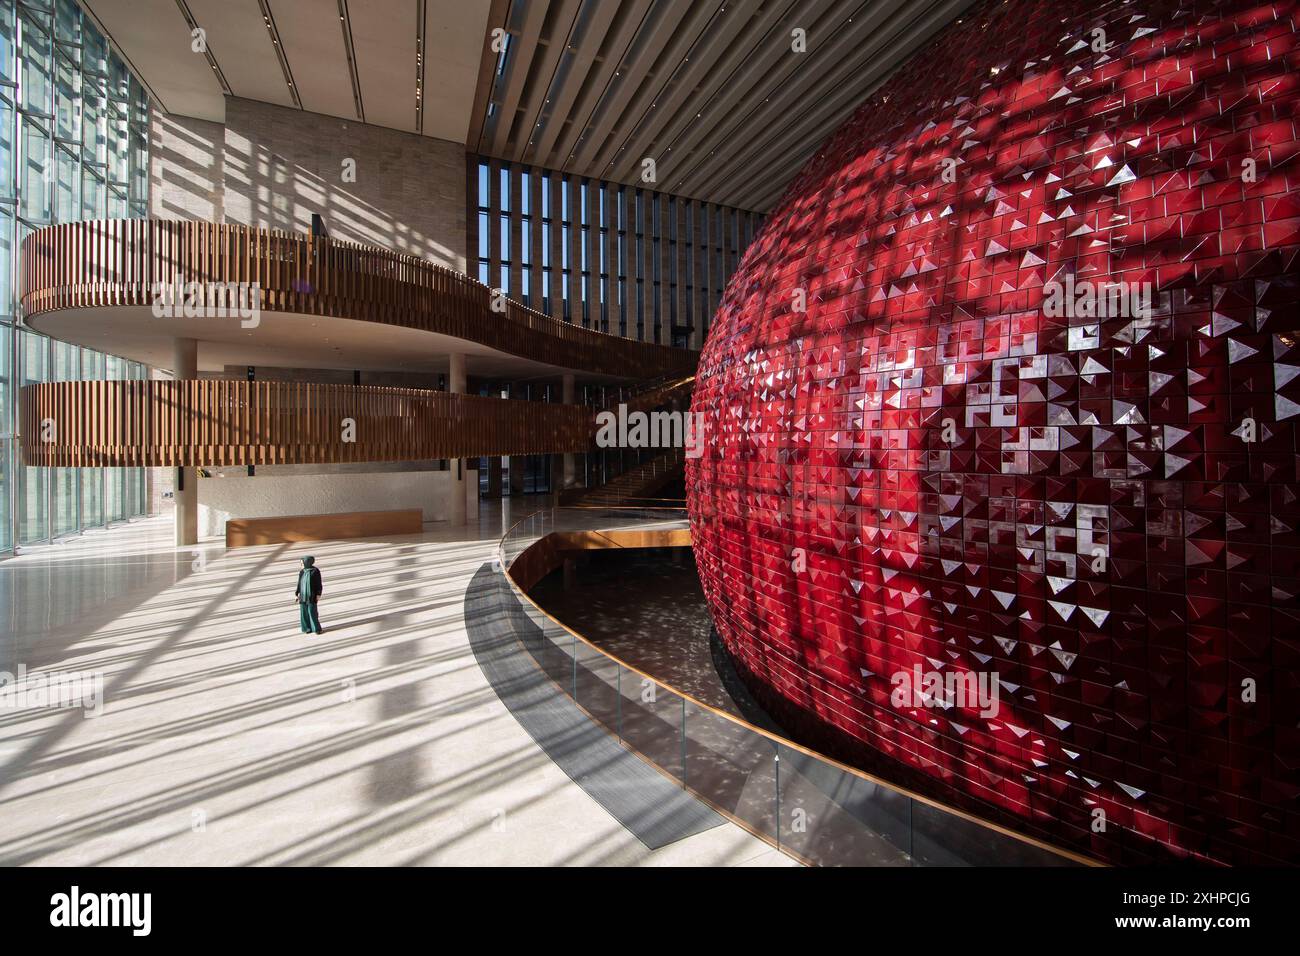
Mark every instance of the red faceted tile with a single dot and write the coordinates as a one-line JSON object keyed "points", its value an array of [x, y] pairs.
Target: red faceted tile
{"points": [[1095, 507]]}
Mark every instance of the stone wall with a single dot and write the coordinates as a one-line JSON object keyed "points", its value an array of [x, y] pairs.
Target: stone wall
{"points": [[273, 167], [239, 496]]}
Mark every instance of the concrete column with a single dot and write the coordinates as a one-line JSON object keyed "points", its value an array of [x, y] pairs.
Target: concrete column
{"points": [[459, 473], [665, 270], [516, 236], [568, 396], [679, 227], [555, 465], [646, 263], [593, 255], [575, 251], [699, 273], [609, 283], [556, 250], [185, 484], [518, 464], [535, 241], [471, 488]]}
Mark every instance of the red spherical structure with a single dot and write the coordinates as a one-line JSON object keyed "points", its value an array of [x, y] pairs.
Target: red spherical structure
{"points": [[938, 444]]}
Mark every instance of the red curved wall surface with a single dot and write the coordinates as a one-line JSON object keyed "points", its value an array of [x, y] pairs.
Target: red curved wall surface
{"points": [[918, 464]]}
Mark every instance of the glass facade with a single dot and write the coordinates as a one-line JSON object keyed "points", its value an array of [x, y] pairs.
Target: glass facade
{"points": [[623, 259], [74, 144]]}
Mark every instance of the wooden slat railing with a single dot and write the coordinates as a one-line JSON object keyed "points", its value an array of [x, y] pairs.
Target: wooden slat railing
{"points": [[227, 422], [116, 262]]}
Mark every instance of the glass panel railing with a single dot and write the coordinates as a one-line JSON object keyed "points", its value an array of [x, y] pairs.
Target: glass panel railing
{"points": [[652, 722], [812, 808], [597, 687], [732, 769], [830, 818]]}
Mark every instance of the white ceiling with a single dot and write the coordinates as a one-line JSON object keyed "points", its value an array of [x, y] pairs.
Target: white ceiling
{"points": [[154, 37], [133, 332], [711, 89]]}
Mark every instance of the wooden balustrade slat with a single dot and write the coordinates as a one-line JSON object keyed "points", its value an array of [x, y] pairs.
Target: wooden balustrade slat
{"points": [[116, 262], [234, 422]]}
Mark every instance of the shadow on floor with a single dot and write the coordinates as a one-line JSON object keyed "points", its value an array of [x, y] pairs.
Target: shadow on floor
{"points": [[648, 805]]}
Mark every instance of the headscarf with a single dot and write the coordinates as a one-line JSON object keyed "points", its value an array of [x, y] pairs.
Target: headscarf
{"points": [[304, 579]]}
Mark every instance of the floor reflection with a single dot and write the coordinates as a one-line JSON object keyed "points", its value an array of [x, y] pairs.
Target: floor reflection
{"points": [[646, 608]]}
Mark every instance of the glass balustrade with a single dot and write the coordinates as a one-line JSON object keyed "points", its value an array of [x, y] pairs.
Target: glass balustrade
{"points": [[812, 808]]}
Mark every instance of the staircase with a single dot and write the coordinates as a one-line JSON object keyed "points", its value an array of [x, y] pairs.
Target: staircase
{"points": [[660, 391], [635, 486], [640, 483]]}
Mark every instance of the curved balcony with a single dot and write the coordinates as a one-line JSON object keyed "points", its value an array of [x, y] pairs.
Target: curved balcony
{"points": [[94, 283], [198, 423]]}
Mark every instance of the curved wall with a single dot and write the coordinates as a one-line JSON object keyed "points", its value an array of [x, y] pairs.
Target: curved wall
{"points": [[933, 466]]}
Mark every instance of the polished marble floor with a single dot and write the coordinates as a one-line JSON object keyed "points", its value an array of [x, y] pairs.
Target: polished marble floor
{"points": [[228, 737]]}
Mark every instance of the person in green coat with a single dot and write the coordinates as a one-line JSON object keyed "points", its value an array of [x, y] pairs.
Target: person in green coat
{"points": [[307, 593]]}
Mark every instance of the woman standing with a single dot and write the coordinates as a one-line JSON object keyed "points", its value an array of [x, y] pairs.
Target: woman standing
{"points": [[307, 593]]}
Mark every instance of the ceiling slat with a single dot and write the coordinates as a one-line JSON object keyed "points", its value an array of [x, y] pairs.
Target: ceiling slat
{"points": [[700, 81], [791, 86], [655, 51], [781, 151], [544, 125], [525, 39], [496, 19], [560, 135], [543, 70]]}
